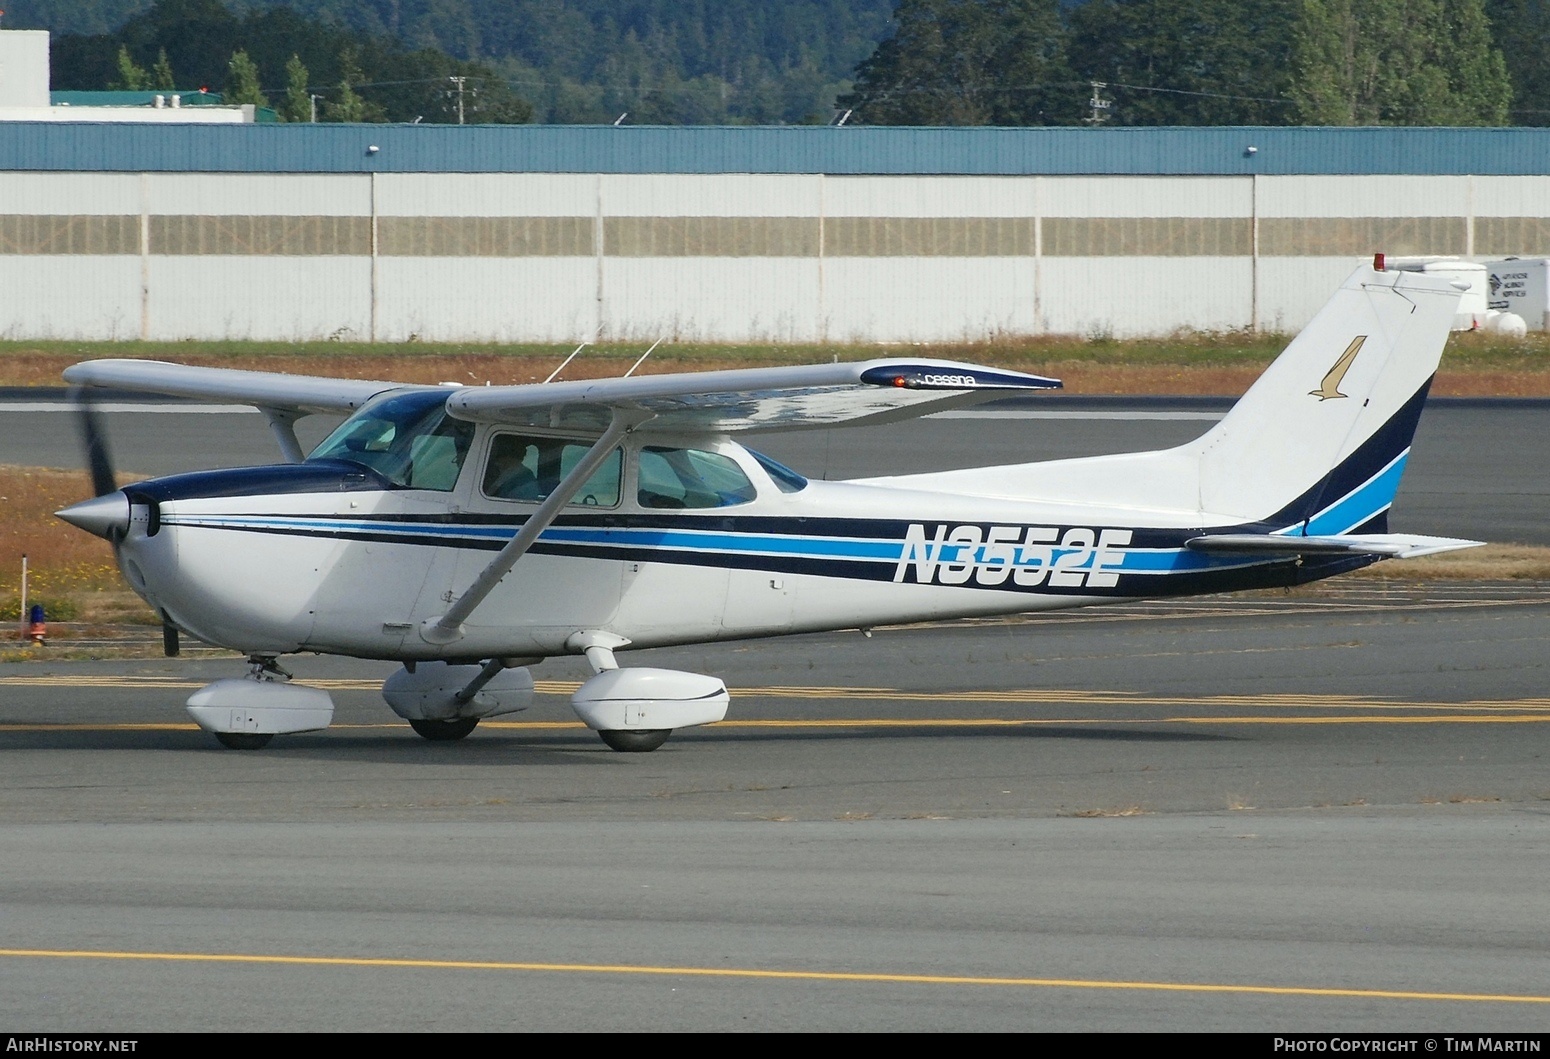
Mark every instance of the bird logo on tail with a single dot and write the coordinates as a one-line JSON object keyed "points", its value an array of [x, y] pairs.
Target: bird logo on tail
{"points": [[1330, 387]]}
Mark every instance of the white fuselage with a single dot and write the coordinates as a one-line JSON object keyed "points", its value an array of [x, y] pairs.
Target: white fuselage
{"points": [[357, 572]]}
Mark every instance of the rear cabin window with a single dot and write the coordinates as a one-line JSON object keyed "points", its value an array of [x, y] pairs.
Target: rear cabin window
{"points": [[523, 467], [690, 478]]}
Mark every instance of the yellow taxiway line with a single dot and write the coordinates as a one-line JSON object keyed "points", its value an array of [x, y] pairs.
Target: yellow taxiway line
{"points": [[859, 723], [769, 974], [864, 694]]}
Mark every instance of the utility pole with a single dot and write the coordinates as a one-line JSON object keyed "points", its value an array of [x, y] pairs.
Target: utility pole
{"points": [[1099, 112], [458, 80], [312, 97]]}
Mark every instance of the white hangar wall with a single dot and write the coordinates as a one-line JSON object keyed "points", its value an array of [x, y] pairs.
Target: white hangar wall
{"points": [[511, 257]]}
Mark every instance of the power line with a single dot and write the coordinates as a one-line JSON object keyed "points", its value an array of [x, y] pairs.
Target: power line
{"points": [[1044, 85]]}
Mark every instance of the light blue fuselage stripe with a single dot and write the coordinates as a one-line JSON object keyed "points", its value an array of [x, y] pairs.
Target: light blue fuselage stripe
{"points": [[1120, 560], [1364, 503]]}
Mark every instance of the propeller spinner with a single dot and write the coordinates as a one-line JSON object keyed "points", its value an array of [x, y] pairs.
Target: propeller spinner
{"points": [[107, 514]]}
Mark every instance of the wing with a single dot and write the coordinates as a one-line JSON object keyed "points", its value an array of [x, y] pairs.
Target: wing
{"points": [[293, 394], [749, 399]]}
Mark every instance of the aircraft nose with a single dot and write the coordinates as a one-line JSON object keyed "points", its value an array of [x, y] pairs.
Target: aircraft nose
{"points": [[106, 516]]}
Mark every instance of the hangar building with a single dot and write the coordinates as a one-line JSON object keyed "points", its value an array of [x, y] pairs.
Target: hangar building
{"points": [[799, 234]]}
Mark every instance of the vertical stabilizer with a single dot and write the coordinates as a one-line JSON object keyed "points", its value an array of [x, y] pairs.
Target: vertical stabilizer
{"points": [[1320, 439], [1316, 446]]}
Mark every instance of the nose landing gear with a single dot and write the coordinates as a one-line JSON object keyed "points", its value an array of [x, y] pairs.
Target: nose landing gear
{"points": [[246, 714]]}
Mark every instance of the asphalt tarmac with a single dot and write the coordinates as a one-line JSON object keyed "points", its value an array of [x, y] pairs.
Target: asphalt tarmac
{"points": [[1311, 812], [1479, 468]]}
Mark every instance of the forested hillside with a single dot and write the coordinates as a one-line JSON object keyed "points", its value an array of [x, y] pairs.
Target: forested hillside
{"points": [[940, 62], [1208, 62], [671, 61]]}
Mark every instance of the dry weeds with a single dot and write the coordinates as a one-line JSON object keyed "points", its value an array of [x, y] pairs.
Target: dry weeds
{"points": [[1494, 562], [71, 573], [1211, 363]]}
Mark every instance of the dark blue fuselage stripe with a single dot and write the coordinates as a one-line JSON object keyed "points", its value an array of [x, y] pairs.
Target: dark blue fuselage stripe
{"points": [[1193, 572]]}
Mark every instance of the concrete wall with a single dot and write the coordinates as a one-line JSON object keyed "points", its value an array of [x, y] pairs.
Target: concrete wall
{"points": [[715, 257]]}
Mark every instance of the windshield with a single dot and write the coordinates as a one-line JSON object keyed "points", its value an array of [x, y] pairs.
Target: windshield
{"points": [[407, 438]]}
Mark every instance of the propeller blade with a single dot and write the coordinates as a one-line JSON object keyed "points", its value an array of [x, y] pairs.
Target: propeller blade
{"points": [[169, 637], [94, 436]]}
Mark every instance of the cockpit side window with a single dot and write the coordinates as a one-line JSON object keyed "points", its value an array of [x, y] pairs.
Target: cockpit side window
{"points": [[527, 467], [690, 478], [407, 438], [785, 479]]}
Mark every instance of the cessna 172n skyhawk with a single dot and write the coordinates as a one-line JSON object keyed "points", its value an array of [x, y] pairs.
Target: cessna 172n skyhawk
{"points": [[469, 533]]}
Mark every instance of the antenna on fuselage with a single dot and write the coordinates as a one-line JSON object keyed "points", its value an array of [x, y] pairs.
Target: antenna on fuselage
{"points": [[642, 360]]}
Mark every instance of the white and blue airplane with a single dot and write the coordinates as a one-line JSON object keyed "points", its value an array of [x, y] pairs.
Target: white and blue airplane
{"points": [[470, 533]]}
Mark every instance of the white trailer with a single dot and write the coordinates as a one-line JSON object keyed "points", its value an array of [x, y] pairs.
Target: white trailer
{"points": [[1472, 308], [1522, 286]]}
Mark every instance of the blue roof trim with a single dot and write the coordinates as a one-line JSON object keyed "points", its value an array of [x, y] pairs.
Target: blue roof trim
{"points": [[107, 147]]}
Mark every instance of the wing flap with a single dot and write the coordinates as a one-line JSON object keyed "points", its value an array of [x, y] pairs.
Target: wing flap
{"points": [[300, 394], [1392, 545], [750, 399]]}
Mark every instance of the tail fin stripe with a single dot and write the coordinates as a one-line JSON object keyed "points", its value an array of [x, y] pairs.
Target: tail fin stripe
{"points": [[1361, 505], [1371, 459]]}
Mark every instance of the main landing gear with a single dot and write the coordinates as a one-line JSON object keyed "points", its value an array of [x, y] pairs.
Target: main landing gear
{"points": [[635, 710], [444, 703], [639, 741], [438, 731]]}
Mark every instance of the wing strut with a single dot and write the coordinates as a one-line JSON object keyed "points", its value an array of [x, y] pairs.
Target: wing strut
{"points": [[449, 627], [282, 422]]}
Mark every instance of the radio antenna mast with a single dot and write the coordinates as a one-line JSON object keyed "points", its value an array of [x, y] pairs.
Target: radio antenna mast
{"points": [[584, 344], [642, 360]]}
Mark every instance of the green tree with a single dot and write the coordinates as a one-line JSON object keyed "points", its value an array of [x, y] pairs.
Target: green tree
{"points": [[297, 105], [1520, 30], [699, 60], [131, 76], [242, 82], [1187, 62], [968, 62], [1398, 62], [161, 74], [347, 104]]}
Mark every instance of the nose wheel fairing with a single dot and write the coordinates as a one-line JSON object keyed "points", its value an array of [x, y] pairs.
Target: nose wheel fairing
{"points": [[244, 713]]}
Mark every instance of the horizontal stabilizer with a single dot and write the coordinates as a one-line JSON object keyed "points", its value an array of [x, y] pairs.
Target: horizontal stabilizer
{"points": [[1391, 545]]}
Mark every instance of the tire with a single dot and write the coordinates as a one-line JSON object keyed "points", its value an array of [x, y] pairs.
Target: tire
{"points": [[243, 740], [445, 731], [635, 741]]}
